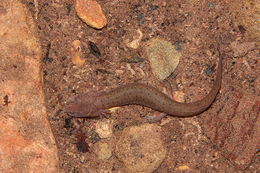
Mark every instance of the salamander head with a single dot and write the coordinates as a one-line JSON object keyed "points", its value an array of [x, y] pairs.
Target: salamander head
{"points": [[81, 106]]}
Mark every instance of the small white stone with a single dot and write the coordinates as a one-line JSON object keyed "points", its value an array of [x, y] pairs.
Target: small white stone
{"points": [[104, 128], [102, 150], [135, 43]]}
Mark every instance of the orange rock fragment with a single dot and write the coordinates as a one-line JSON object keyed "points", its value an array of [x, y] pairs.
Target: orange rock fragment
{"points": [[178, 96], [91, 13], [76, 53]]}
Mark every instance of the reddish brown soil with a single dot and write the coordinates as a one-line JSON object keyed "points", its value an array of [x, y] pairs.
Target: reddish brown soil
{"points": [[196, 27]]}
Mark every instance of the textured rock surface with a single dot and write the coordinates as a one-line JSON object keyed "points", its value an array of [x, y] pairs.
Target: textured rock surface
{"points": [[27, 143], [246, 14], [141, 148], [235, 128]]}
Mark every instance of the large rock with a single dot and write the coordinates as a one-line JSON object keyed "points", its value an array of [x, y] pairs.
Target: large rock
{"points": [[141, 148], [235, 128], [27, 143]]}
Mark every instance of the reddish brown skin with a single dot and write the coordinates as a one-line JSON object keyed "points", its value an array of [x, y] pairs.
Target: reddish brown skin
{"points": [[91, 104]]}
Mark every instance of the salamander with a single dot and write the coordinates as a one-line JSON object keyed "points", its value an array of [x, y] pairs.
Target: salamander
{"points": [[91, 104]]}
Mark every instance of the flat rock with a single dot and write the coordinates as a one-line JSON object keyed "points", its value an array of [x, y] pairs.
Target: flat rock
{"points": [[235, 127], [27, 143], [91, 13], [141, 148], [163, 57]]}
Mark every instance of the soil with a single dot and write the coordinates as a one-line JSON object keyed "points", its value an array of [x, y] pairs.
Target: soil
{"points": [[195, 26]]}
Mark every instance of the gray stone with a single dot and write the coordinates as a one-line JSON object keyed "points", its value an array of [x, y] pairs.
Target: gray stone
{"points": [[163, 57]]}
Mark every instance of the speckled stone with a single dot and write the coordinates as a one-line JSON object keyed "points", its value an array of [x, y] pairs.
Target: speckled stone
{"points": [[141, 148], [163, 57]]}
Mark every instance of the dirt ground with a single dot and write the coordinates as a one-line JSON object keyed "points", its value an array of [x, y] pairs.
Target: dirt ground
{"points": [[194, 26]]}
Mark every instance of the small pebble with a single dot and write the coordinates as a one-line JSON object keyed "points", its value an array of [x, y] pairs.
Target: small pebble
{"points": [[154, 7], [67, 123], [179, 96], [119, 126], [211, 4], [241, 29], [48, 59], [104, 128], [94, 49], [178, 46], [208, 70], [135, 42], [140, 16], [91, 13], [183, 168], [102, 150], [76, 53]]}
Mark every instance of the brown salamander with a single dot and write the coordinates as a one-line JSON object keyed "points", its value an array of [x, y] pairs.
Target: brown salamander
{"points": [[92, 104]]}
